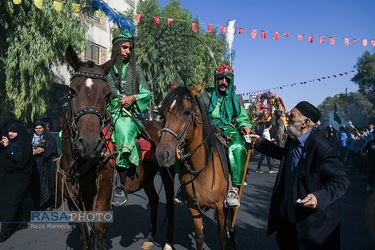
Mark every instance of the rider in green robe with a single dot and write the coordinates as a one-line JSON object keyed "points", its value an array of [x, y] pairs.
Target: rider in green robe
{"points": [[228, 113], [130, 96]]}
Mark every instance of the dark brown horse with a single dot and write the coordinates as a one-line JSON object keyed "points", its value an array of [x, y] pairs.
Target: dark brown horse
{"points": [[188, 135], [85, 173]]}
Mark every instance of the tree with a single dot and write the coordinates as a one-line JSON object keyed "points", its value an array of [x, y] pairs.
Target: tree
{"points": [[354, 107], [173, 52], [365, 78], [32, 41]]}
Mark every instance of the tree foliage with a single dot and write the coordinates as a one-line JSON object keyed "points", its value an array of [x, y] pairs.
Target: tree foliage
{"points": [[32, 41], [365, 78], [354, 107], [173, 52]]}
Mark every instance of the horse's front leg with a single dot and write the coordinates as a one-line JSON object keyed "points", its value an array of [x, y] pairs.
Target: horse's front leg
{"points": [[100, 230], [84, 234], [198, 226], [153, 200], [102, 204], [167, 176], [221, 230]]}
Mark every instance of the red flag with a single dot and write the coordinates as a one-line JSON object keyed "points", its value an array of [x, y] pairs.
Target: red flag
{"points": [[322, 38], [346, 41], [364, 42], [242, 30], [138, 18], [287, 34], [209, 27], [354, 40], [254, 33], [332, 40], [263, 34], [299, 37], [276, 36], [223, 29], [169, 21], [156, 20], [310, 39], [373, 42], [194, 26]]}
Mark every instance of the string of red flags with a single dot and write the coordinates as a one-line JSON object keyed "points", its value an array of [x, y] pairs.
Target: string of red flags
{"points": [[76, 8], [303, 82], [263, 33]]}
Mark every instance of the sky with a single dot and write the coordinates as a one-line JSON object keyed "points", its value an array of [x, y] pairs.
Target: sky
{"points": [[268, 64]]}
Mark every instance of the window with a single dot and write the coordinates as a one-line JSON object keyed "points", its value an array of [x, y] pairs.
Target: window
{"points": [[92, 53], [94, 17]]}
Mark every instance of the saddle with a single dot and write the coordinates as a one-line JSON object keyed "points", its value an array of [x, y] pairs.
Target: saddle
{"points": [[224, 158], [145, 150]]}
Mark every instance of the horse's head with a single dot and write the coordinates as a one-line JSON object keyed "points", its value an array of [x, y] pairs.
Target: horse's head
{"points": [[89, 94], [180, 111]]}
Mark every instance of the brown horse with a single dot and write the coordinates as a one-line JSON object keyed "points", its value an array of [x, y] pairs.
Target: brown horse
{"points": [[188, 135], [85, 172]]}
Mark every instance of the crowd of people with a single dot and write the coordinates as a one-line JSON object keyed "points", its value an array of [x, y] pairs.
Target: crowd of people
{"points": [[26, 173], [349, 142]]}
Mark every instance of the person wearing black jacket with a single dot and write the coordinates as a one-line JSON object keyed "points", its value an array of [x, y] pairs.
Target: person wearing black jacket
{"points": [[304, 210], [15, 177]]}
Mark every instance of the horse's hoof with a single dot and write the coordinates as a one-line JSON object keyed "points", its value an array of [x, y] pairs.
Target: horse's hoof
{"points": [[147, 245], [167, 247]]}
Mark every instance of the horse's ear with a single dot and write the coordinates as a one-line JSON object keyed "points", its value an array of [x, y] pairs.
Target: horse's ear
{"points": [[174, 85], [72, 58], [197, 89], [108, 65]]}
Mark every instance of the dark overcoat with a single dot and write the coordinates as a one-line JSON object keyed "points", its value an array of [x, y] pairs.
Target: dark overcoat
{"points": [[322, 175]]}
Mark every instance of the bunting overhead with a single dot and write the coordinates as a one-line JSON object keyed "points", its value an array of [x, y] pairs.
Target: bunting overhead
{"points": [[76, 8]]}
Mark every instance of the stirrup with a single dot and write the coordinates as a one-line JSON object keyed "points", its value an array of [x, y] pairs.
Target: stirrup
{"points": [[119, 195], [232, 198]]}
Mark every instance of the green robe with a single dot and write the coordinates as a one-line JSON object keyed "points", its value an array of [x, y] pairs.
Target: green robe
{"points": [[229, 114], [125, 129]]}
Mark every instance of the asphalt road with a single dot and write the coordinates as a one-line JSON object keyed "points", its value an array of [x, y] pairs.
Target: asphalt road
{"points": [[131, 221]]}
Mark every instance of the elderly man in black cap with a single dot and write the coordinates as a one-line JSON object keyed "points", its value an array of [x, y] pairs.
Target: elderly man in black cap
{"points": [[304, 207]]}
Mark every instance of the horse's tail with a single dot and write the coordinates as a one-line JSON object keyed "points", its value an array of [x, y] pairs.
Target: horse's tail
{"points": [[370, 214]]}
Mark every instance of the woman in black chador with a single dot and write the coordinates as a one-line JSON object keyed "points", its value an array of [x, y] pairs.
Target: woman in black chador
{"points": [[15, 177], [44, 151]]}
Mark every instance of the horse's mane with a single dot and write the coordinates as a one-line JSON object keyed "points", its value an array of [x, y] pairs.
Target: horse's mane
{"points": [[178, 95]]}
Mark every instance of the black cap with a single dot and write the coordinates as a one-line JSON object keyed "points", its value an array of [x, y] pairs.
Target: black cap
{"points": [[308, 110]]}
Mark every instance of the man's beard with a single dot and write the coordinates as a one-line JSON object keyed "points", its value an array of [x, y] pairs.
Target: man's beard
{"points": [[294, 130]]}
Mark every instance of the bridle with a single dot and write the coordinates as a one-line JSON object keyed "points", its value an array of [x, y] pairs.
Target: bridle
{"points": [[181, 153], [72, 119], [180, 149]]}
